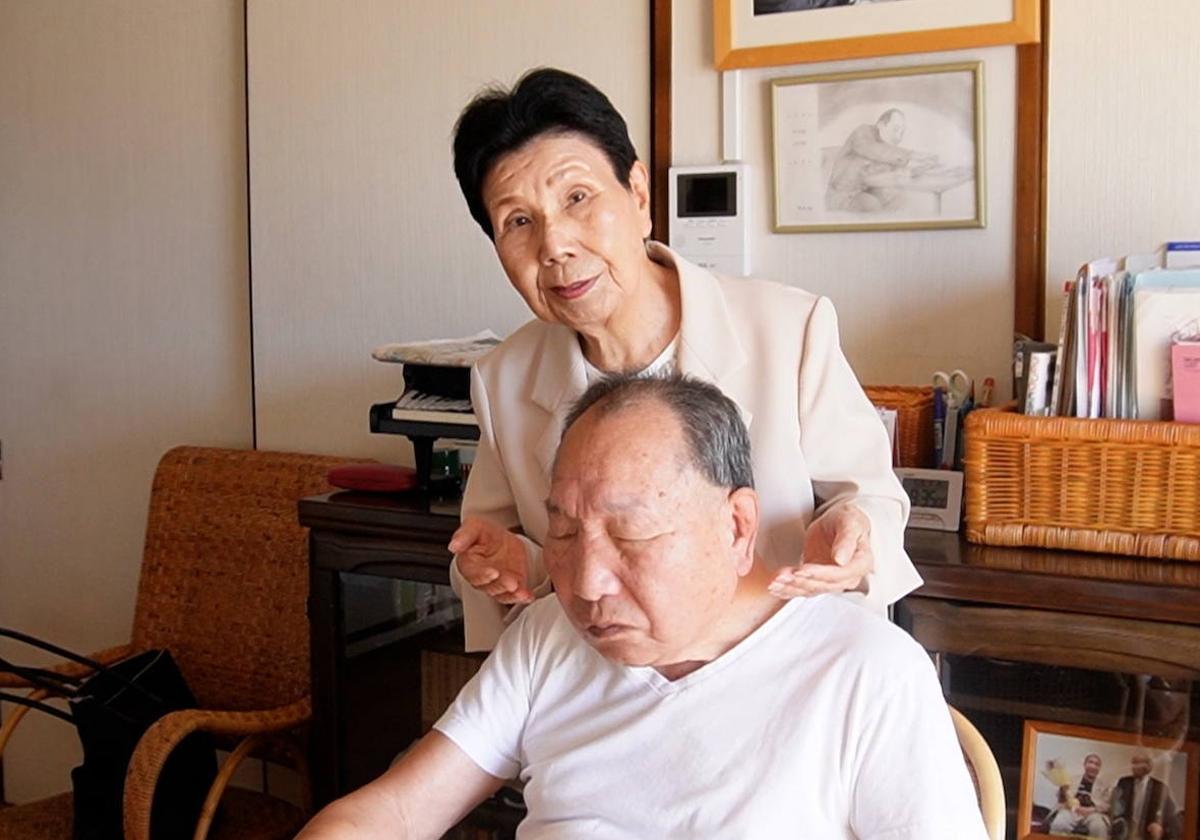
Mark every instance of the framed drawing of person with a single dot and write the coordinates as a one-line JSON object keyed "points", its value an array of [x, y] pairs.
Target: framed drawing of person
{"points": [[891, 149]]}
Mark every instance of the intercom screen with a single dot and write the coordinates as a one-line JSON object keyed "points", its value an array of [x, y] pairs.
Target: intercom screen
{"points": [[707, 194]]}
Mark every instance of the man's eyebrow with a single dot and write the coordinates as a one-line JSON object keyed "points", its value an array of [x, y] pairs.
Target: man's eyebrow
{"points": [[621, 504]]}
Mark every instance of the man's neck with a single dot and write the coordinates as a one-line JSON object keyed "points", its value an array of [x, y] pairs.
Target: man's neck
{"points": [[751, 607]]}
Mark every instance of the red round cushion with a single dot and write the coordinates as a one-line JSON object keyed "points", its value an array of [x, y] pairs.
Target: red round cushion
{"points": [[378, 478]]}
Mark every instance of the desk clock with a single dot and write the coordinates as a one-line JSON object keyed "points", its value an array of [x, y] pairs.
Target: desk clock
{"points": [[936, 497]]}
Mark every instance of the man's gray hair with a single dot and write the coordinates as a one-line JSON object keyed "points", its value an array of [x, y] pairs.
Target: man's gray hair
{"points": [[717, 441]]}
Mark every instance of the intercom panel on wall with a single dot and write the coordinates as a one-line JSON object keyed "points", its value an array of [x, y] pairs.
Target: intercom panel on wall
{"points": [[708, 220]]}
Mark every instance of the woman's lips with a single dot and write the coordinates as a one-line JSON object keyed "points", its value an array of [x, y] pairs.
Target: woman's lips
{"points": [[571, 291], [604, 631]]}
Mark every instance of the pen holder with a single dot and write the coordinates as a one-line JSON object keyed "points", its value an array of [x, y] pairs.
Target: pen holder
{"points": [[914, 421]]}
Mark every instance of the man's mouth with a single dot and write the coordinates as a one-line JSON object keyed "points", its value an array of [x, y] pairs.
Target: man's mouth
{"points": [[571, 291], [605, 631]]}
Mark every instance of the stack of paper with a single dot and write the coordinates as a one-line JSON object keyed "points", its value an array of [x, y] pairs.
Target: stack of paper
{"points": [[1120, 319]]}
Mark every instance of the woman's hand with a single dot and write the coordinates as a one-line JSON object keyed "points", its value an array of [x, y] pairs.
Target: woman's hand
{"points": [[492, 559], [837, 555]]}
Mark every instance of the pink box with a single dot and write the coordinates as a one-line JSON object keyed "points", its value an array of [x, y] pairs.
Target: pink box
{"points": [[1185, 380]]}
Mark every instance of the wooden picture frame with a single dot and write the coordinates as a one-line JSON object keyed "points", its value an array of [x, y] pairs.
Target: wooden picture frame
{"points": [[744, 38], [1052, 794], [899, 148]]}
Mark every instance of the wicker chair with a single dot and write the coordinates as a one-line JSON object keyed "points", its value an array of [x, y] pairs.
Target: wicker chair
{"points": [[223, 585], [985, 773]]}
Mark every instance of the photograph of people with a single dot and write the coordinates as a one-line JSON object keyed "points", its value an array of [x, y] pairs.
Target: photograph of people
{"points": [[1082, 781], [771, 7], [1083, 806]]}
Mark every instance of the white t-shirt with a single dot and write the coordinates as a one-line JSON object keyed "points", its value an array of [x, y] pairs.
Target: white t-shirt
{"points": [[826, 722]]}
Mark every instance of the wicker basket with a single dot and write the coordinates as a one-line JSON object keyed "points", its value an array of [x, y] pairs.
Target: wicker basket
{"points": [[1114, 486], [442, 676], [914, 421]]}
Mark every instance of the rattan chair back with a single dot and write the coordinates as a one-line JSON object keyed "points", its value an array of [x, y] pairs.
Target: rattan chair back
{"points": [[985, 774], [225, 574]]}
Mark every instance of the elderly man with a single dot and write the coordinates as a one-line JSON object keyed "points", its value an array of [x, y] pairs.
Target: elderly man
{"points": [[1142, 806], [662, 691], [1084, 810]]}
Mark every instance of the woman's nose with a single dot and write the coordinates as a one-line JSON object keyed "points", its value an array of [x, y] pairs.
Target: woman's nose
{"points": [[558, 242]]}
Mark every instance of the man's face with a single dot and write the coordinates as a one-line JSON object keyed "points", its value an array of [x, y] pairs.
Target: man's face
{"points": [[892, 129], [642, 549], [1140, 765], [1091, 766], [569, 235]]}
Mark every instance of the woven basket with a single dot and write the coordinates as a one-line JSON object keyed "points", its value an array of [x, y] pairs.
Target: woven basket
{"points": [[1114, 486], [914, 421]]}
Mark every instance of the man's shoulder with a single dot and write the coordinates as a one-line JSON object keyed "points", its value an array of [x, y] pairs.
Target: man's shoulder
{"points": [[541, 619], [864, 640], [542, 633]]}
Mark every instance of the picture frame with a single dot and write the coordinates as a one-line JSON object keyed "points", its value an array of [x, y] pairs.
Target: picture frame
{"points": [[1057, 760], [898, 148], [764, 33]]}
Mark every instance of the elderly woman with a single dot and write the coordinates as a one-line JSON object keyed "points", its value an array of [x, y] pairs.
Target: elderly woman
{"points": [[549, 173]]}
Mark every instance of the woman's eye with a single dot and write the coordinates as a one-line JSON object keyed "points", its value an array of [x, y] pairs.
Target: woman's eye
{"points": [[577, 196]]}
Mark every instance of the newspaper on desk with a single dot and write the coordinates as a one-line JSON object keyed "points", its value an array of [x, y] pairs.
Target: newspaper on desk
{"points": [[450, 352]]}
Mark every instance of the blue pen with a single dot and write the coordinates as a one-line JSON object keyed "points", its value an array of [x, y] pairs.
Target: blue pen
{"points": [[959, 449], [939, 425]]}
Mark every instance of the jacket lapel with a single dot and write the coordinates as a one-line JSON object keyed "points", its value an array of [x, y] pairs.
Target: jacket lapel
{"points": [[709, 347], [559, 378]]}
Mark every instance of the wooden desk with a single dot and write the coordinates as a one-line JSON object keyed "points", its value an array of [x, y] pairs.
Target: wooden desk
{"points": [[1059, 612], [1031, 634]]}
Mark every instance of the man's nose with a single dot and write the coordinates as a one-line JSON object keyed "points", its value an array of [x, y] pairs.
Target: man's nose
{"points": [[594, 575], [558, 241]]}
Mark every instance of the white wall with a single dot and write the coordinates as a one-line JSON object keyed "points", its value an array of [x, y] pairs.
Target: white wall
{"points": [[1124, 133], [360, 234], [123, 307], [908, 301]]}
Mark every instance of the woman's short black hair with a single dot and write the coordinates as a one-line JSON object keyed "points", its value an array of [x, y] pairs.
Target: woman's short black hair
{"points": [[543, 101]]}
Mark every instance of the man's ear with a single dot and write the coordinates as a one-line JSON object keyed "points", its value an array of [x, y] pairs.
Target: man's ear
{"points": [[743, 520], [639, 185]]}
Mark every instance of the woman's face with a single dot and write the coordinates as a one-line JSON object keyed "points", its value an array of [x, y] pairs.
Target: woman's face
{"points": [[569, 235]]}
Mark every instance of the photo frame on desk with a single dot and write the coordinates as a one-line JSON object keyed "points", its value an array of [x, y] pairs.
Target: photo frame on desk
{"points": [[763, 33], [1084, 781], [899, 148]]}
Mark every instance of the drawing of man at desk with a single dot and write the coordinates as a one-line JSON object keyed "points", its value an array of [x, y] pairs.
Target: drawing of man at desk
{"points": [[872, 172]]}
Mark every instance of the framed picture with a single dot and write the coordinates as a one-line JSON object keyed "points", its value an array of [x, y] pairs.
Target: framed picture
{"points": [[893, 149], [762, 33], [1083, 782]]}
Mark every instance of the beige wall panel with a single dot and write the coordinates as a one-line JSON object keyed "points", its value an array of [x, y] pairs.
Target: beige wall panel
{"points": [[908, 301], [359, 233], [1123, 150], [123, 307]]}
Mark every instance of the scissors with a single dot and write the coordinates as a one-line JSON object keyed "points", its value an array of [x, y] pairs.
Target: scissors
{"points": [[957, 386]]}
